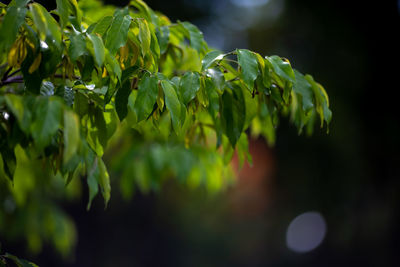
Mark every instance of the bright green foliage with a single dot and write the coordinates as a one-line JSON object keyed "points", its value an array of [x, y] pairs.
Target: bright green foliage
{"points": [[131, 92]]}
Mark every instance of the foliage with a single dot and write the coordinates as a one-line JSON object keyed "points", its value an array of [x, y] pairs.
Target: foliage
{"points": [[134, 90]]}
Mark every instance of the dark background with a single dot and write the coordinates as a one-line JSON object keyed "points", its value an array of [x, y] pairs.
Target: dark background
{"points": [[351, 176]]}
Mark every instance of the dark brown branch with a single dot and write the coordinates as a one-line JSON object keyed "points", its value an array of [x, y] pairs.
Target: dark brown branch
{"points": [[17, 79]]}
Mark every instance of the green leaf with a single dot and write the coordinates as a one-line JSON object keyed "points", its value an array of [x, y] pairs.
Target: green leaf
{"points": [[146, 97], [93, 172], [20, 262], [112, 65], [144, 36], [62, 8], [66, 93], [210, 58], [303, 88], [76, 19], [188, 86], [173, 104], [104, 181], [21, 108], [217, 78], [97, 49], [10, 25], [47, 120], [195, 37], [81, 104], [97, 136], [213, 98], [321, 99], [71, 135], [121, 99], [162, 34], [249, 67], [49, 29], [243, 150], [102, 26], [118, 32], [282, 68], [77, 46], [233, 114]]}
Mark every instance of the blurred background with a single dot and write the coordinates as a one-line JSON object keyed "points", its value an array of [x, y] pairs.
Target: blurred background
{"points": [[327, 200]]}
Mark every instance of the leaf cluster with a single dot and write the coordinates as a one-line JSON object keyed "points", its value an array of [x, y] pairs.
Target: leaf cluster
{"points": [[84, 79]]}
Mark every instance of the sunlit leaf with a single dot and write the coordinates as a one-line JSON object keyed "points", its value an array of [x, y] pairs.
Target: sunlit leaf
{"points": [[210, 58]]}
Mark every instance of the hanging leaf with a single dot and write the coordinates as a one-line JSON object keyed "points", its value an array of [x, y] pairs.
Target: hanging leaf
{"points": [[173, 104], [162, 34], [146, 97], [97, 49], [121, 99], [102, 26], [144, 36], [233, 114], [249, 67], [282, 68], [47, 120], [77, 47], [195, 37], [117, 34], [63, 11], [11, 23], [71, 135], [303, 88], [188, 86]]}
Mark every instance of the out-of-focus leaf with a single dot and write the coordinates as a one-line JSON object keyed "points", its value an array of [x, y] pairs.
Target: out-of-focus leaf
{"points": [[104, 181], [71, 135], [93, 172], [249, 67], [20, 262], [66, 93], [188, 86], [146, 97], [195, 37], [47, 89], [10, 25], [162, 34], [21, 108]]}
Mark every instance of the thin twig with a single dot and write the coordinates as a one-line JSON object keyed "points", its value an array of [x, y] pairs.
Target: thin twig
{"points": [[13, 73]]}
